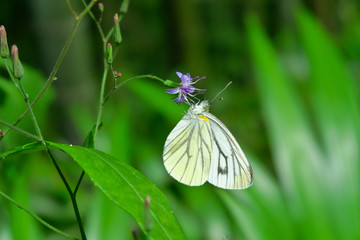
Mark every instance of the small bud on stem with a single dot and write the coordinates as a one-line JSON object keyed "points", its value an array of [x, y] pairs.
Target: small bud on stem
{"points": [[116, 74], [147, 215], [135, 233], [3, 43], [117, 33], [101, 7], [109, 53], [172, 84], [124, 7], [18, 69]]}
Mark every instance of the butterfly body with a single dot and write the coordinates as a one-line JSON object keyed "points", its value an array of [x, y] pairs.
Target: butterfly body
{"points": [[200, 148]]}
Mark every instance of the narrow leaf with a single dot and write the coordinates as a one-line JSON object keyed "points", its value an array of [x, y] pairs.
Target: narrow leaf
{"points": [[35, 216], [335, 103], [297, 157]]}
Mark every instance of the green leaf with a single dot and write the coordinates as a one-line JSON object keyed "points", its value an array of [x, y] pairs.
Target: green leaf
{"points": [[335, 103], [89, 140], [297, 156], [124, 185], [254, 208], [20, 191], [103, 218]]}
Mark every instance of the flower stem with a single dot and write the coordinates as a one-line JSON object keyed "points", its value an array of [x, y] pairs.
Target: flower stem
{"points": [[36, 217], [114, 89], [36, 125], [19, 130], [101, 98], [78, 182], [60, 59], [10, 72], [72, 195]]}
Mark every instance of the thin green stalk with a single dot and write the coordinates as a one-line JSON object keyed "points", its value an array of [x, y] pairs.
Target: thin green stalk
{"points": [[36, 125], [9, 70], [101, 98], [105, 40], [52, 77], [97, 23], [71, 8], [36, 217], [19, 130], [86, 10], [78, 182], [32, 115], [40, 94], [113, 90], [111, 31], [72, 196]]}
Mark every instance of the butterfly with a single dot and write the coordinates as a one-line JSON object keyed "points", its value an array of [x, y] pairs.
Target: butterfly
{"points": [[200, 148]]}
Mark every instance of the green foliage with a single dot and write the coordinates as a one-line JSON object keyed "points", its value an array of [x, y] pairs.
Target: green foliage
{"points": [[315, 197], [301, 72], [125, 186]]}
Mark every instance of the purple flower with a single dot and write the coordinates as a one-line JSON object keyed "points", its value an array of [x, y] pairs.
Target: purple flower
{"points": [[186, 88]]}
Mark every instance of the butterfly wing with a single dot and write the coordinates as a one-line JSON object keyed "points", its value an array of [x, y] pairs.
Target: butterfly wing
{"points": [[188, 149], [229, 167]]}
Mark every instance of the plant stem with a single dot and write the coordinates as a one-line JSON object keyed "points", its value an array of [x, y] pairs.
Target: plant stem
{"points": [[72, 196], [97, 23], [78, 182], [71, 8], [33, 118], [105, 40], [10, 72], [36, 125], [101, 98], [40, 94], [36, 217], [19, 130], [112, 91], [52, 77]]}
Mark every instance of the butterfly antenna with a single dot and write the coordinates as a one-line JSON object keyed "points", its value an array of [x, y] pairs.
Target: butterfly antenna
{"points": [[182, 109], [220, 92]]}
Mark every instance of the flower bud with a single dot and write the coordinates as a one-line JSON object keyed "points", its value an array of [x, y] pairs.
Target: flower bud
{"points": [[116, 74], [3, 43], [135, 233], [109, 53], [124, 7], [117, 33], [101, 7], [172, 84], [147, 215], [18, 69]]}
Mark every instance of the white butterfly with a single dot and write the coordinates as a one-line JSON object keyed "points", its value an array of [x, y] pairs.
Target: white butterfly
{"points": [[200, 148]]}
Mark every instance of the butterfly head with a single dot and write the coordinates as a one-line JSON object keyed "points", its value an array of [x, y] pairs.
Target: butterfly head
{"points": [[200, 108]]}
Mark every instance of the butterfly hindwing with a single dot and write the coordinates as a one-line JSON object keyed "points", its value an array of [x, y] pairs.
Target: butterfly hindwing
{"points": [[188, 150], [229, 167]]}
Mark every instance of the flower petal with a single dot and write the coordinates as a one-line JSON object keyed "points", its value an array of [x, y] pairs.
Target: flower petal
{"points": [[179, 99], [179, 74], [172, 90], [186, 79], [187, 89]]}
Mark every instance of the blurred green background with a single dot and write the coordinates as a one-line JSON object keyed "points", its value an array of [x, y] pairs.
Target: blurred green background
{"points": [[293, 107]]}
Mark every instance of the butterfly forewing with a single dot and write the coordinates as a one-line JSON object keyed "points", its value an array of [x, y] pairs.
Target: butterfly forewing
{"points": [[188, 149], [229, 167]]}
